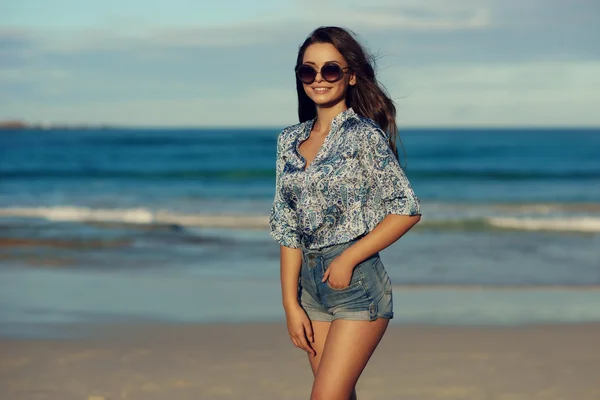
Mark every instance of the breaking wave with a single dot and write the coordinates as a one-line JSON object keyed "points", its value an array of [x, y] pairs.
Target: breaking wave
{"points": [[145, 216]]}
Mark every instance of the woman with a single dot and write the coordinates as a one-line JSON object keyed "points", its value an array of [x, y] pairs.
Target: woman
{"points": [[341, 197]]}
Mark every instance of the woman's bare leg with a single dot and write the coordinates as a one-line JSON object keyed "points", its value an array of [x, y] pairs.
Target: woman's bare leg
{"points": [[320, 331], [347, 349]]}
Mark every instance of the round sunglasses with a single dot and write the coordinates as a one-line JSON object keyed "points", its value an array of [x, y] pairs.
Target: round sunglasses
{"points": [[331, 72]]}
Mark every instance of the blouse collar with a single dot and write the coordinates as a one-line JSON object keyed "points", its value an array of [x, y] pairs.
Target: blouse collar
{"points": [[336, 123]]}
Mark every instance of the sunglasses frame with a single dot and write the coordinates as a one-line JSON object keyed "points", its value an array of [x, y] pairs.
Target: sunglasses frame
{"points": [[339, 78]]}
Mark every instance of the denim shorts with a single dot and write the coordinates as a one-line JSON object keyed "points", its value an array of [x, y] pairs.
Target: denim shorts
{"points": [[368, 297]]}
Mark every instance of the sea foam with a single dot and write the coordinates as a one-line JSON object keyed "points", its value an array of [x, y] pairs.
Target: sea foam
{"points": [[141, 216], [145, 216]]}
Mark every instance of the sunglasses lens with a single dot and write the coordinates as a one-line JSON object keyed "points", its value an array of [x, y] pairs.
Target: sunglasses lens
{"points": [[306, 74], [332, 72]]}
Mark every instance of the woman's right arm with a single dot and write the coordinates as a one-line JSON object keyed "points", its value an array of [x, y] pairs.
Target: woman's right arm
{"points": [[290, 262], [284, 229], [298, 324]]}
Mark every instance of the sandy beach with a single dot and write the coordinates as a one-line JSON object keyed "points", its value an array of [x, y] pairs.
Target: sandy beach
{"points": [[257, 361]]}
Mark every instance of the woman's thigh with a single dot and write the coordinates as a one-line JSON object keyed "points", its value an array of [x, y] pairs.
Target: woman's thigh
{"points": [[347, 349], [320, 331]]}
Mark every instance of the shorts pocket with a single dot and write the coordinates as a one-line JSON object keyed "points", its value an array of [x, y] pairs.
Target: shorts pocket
{"points": [[355, 280], [347, 288], [350, 298]]}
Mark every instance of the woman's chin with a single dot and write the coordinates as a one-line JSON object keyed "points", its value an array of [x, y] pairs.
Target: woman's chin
{"points": [[326, 102]]}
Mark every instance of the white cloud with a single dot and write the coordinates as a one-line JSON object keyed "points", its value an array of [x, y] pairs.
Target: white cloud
{"points": [[433, 96], [406, 15], [533, 93], [460, 62]]}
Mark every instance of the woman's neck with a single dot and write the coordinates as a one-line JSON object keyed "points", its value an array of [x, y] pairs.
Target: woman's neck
{"points": [[326, 114]]}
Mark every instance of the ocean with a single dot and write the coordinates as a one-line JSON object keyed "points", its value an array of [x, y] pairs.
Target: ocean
{"points": [[126, 225]]}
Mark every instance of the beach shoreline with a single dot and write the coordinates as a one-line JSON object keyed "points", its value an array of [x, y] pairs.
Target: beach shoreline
{"points": [[257, 361]]}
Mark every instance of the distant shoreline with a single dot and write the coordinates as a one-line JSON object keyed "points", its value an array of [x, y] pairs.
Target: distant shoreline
{"points": [[22, 125]]}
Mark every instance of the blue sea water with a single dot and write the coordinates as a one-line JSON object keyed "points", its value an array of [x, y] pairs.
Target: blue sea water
{"points": [[128, 224]]}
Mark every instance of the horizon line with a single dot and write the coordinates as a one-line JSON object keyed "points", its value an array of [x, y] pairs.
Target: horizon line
{"points": [[14, 124]]}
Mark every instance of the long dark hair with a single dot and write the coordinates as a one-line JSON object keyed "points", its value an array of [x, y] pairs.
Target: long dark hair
{"points": [[367, 97]]}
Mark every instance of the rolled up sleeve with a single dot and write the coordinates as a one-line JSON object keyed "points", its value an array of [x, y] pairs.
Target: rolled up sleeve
{"points": [[390, 183], [283, 220]]}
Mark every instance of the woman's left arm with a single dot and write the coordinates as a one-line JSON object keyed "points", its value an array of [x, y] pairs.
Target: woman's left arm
{"points": [[397, 197], [389, 230]]}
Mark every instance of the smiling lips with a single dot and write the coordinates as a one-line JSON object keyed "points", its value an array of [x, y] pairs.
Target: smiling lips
{"points": [[321, 90]]}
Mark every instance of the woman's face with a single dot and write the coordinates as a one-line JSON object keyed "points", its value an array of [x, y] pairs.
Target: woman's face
{"points": [[325, 93]]}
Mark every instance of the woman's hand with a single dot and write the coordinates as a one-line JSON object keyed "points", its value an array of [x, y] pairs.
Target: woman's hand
{"points": [[339, 273], [300, 329]]}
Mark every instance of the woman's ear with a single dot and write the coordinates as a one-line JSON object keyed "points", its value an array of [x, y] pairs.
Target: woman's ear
{"points": [[352, 80]]}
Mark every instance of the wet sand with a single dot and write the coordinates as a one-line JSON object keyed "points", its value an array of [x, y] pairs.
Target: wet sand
{"points": [[257, 361]]}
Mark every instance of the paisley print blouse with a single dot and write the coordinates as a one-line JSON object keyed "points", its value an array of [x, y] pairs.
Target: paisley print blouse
{"points": [[354, 181]]}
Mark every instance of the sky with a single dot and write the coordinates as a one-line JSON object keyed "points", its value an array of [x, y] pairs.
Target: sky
{"points": [[190, 63]]}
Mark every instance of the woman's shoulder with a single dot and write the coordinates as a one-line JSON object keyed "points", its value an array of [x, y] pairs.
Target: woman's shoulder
{"points": [[363, 127]]}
